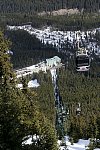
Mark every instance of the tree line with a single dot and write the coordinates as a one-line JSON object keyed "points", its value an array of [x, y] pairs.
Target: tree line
{"points": [[28, 54], [23, 12], [78, 89], [20, 114], [33, 6], [29, 106]]}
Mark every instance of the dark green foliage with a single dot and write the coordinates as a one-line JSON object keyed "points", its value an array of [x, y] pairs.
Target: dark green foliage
{"points": [[27, 49], [46, 95], [33, 6], [77, 88], [21, 12], [9, 124], [19, 112], [79, 21]]}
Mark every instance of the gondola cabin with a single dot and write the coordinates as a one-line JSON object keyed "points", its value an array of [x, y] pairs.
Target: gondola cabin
{"points": [[82, 61]]}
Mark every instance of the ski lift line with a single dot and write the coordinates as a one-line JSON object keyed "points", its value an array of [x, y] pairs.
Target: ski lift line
{"points": [[61, 113], [60, 110]]}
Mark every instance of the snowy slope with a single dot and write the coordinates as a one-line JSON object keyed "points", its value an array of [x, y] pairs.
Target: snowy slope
{"points": [[80, 145], [58, 38]]}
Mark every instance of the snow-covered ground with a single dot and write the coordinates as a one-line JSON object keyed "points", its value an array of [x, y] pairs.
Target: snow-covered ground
{"points": [[28, 140], [80, 145], [36, 68], [59, 38], [31, 84], [42, 66], [53, 74]]}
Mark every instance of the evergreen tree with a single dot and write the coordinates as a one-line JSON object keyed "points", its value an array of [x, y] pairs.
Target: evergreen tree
{"points": [[19, 113], [9, 123]]}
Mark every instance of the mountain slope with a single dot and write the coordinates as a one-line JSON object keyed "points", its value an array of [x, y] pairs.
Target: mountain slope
{"points": [[31, 6]]}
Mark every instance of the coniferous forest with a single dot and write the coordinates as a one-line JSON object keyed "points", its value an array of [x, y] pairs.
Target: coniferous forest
{"points": [[75, 89], [32, 6], [32, 111], [19, 12], [27, 54], [19, 111]]}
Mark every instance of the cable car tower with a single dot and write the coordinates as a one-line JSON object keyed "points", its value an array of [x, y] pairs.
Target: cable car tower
{"points": [[82, 59]]}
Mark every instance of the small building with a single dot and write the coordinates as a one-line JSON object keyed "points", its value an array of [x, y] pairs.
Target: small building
{"points": [[51, 62], [42, 66]]}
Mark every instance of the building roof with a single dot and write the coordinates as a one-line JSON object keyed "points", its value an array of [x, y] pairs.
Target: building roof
{"points": [[54, 58]]}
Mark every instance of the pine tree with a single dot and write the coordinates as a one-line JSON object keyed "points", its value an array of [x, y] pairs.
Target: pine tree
{"points": [[19, 114], [9, 111]]}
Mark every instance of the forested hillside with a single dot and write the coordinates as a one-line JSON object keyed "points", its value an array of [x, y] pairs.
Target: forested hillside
{"points": [[18, 12], [20, 113], [46, 95], [27, 49], [79, 92], [33, 6], [32, 111]]}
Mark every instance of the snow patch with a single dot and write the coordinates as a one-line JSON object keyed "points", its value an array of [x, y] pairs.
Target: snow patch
{"points": [[20, 86], [80, 145], [28, 140], [33, 83]]}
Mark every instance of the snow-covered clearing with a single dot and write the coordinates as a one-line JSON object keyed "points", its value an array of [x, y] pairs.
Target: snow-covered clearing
{"points": [[60, 12], [80, 145], [31, 84], [58, 38], [28, 140]]}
